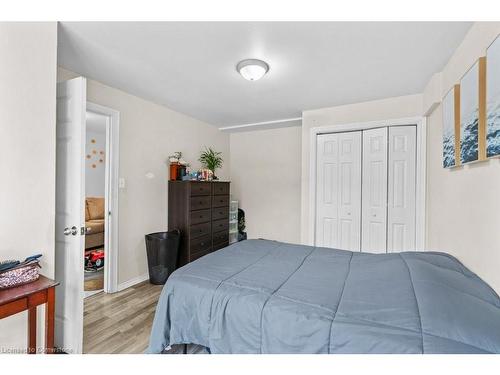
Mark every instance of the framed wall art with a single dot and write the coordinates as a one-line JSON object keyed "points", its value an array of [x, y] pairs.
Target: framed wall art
{"points": [[451, 128], [473, 113], [493, 99]]}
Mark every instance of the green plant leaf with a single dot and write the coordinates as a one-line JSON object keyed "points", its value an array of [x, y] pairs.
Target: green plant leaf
{"points": [[211, 159]]}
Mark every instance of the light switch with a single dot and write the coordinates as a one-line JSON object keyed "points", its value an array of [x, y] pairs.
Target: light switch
{"points": [[121, 183]]}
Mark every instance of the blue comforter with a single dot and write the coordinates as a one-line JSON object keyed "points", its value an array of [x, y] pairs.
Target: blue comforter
{"points": [[260, 296]]}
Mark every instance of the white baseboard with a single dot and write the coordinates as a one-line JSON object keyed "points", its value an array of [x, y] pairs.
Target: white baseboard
{"points": [[132, 282], [88, 293]]}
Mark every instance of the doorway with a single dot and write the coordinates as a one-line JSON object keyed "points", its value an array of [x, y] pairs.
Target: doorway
{"points": [[71, 225], [101, 200], [96, 154]]}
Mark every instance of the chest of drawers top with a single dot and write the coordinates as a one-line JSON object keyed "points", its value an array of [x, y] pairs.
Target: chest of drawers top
{"points": [[201, 188]]}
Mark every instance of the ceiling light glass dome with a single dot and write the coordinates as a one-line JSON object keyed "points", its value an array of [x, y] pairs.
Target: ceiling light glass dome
{"points": [[252, 69]]}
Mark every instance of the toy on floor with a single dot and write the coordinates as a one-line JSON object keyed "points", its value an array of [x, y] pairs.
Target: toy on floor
{"points": [[94, 260]]}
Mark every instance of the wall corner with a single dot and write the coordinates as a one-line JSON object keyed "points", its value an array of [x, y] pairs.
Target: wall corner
{"points": [[432, 95]]}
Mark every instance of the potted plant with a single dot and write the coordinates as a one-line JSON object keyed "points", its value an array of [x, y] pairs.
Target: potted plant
{"points": [[211, 160]]}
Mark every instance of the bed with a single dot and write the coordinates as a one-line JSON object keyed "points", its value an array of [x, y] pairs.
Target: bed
{"points": [[260, 296]]}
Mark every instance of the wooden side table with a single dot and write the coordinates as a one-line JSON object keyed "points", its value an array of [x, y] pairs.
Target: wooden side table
{"points": [[28, 297]]}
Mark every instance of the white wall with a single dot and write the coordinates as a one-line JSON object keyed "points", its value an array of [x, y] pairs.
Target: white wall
{"points": [[265, 178], [149, 133], [27, 154], [390, 108], [95, 163], [463, 204]]}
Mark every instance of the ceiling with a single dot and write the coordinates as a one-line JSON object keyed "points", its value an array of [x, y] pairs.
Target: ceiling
{"points": [[190, 66]]}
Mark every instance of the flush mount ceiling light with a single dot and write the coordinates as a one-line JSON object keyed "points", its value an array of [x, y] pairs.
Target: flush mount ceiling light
{"points": [[252, 69]]}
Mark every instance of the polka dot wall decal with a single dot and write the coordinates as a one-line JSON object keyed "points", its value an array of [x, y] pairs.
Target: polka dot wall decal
{"points": [[94, 152], [100, 160], [88, 156], [93, 166], [101, 152], [92, 140]]}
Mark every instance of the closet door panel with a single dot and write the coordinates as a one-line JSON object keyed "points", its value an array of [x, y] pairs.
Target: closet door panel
{"points": [[401, 189], [374, 191], [349, 161], [327, 191]]}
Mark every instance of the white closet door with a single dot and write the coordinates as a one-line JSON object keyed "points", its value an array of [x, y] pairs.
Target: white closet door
{"points": [[374, 191], [349, 186], [327, 191], [402, 189], [338, 191]]}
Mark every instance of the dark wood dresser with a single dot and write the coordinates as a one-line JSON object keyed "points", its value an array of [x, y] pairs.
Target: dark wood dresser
{"points": [[200, 210]]}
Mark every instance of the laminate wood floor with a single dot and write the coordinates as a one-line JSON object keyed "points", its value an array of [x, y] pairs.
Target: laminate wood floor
{"points": [[120, 322]]}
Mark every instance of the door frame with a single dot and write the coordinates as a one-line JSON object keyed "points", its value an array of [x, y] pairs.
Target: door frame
{"points": [[421, 167], [111, 212]]}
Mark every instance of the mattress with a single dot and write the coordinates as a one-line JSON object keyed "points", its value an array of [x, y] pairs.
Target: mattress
{"points": [[260, 296]]}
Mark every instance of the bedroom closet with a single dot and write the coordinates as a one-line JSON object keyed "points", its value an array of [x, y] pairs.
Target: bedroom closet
{"points": [[366, 190]]}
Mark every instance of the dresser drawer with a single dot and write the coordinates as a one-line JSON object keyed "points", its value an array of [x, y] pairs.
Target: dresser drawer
{"points": [[220, 188], [200, 203], [220, 238], [199, 230], [221, 245], [220, 225], [193, 257], [200, 216], [220, 201], [200, 188], [200, 244], [220, 213]]}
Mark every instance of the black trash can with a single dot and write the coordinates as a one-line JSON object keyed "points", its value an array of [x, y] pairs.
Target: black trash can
{"points": [[162, 249]]}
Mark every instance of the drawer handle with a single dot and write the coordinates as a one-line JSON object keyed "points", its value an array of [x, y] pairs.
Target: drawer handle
{"points": [[201, 216]]}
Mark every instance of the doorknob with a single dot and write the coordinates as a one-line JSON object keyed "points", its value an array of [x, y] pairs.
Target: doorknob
{"points": [[85, 230], [73, 230]]}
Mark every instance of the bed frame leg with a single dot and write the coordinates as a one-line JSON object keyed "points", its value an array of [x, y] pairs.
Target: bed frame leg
{"points": [[184, 349]]}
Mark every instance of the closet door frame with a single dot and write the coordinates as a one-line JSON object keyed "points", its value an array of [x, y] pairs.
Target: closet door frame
{"points": [[420, 123]]}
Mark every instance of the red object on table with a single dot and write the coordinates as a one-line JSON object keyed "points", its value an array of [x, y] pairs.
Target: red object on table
{"points": [[28, 297]]}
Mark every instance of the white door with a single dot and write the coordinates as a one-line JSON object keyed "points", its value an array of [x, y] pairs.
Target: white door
{"points": [[338, 191], [70, 218], [374, 191], [402, 188], [327, 191], [349, 186]]}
